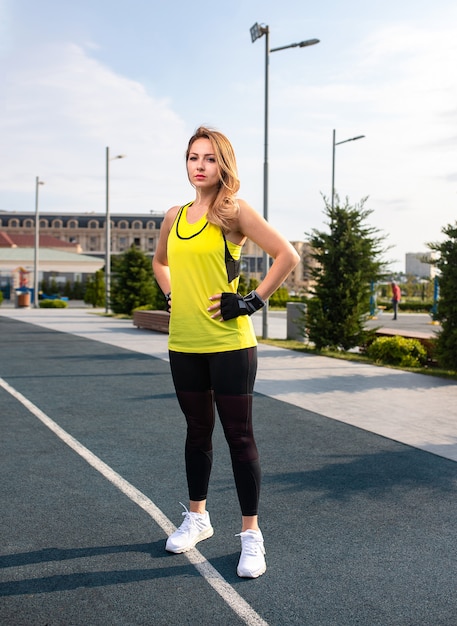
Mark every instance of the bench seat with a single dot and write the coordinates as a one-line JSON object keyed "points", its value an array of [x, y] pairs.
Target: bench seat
{"points": [[152, 320]]}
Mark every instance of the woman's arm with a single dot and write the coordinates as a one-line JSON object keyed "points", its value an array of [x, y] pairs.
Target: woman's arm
{"points": [[258, 230], [252, 225], [160, 260]]}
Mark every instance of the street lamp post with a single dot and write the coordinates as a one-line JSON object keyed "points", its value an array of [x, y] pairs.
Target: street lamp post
{"points": [[333, 159], [108, 234], [38, 182], [258, 31]]}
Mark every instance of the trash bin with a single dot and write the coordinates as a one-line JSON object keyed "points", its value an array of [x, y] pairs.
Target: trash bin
{"points": [[295, 321], [22, 299]]}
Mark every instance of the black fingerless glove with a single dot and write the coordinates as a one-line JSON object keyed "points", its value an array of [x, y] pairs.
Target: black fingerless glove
{"points": [[233, 305]]}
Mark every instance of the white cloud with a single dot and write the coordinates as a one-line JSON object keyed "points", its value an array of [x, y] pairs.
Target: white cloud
{"points": [[400, 92], [61, 109]]}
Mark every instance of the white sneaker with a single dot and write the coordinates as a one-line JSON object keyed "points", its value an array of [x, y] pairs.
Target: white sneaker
{"points": [[195, 528], [252, 560]]}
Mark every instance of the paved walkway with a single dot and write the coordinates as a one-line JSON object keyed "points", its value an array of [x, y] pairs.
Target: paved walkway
{"points": [[418, 410]]}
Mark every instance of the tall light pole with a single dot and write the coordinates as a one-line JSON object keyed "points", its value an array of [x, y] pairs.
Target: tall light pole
{"points": [[258, 31], [108, 234], [38, 182], [333, 159]]}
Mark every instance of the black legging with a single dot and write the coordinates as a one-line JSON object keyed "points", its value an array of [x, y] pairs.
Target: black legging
{"points": [[224, 379]]}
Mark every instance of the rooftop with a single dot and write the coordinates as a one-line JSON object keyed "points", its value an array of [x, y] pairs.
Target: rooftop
{"points": [[12, 240], [26, 255]]}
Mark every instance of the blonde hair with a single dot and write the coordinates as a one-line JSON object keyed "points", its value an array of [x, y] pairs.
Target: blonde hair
{"points": [[224, 208]]}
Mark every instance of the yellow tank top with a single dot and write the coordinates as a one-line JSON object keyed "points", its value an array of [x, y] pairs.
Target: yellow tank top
{"points": [[198, 269]]}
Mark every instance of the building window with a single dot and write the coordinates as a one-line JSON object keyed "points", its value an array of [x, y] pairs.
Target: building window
{"points": [[150, 243], [93, 243], [57, 223], [137, 242], [151, 225], [93, 224], [72, 224], [29, 223], [123, 224], [44, 223], [137, 224], [123, 242], [13, 223]]}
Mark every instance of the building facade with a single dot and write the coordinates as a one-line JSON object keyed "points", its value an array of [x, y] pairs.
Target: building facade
{"points": [[419, 264], [87, 232]]}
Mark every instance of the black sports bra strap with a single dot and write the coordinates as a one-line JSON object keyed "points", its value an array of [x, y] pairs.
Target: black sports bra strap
{"points": [[231, 264], [178, 219]]}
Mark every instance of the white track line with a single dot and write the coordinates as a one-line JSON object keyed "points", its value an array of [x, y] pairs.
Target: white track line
{"points": [[209, 573]]}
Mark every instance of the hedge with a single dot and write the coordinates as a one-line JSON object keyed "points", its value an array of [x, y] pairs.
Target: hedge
{"points": [[53, 304], [397, 351]]}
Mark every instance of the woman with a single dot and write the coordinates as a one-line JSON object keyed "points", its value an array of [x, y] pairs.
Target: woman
{"points": [[212, 344]]}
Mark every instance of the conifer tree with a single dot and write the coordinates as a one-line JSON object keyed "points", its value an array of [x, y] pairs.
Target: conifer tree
{"points": [[132, 284], [78, 290], [447, 303], [95, 289], [348, 260]]}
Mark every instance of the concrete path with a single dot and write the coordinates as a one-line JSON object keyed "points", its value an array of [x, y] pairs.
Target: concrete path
{"points": [[414, 409]]}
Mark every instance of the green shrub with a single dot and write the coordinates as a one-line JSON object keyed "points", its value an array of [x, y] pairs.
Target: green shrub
{"points": [[418, 306], [53, 304], [397, 351], [279, 298]]}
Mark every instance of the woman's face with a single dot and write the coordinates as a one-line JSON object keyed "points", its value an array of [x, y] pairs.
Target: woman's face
{"points": [[202, 168]]}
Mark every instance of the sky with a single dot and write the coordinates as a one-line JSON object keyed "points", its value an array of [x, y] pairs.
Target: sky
{"points": [[139, 77]]}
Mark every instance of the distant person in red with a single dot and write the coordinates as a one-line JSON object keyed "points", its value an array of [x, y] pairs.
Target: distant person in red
{"points": [[396, 297]]}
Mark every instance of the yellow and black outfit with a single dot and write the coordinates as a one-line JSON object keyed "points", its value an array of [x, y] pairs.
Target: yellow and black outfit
{"points": [[212, 362], [199, 268]]}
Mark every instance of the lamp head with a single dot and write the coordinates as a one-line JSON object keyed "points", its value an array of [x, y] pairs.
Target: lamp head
{"points": [[308, 42], [257, 31]]}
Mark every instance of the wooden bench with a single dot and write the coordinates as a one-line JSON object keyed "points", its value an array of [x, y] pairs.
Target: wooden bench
{"points": [[152, 320]]}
